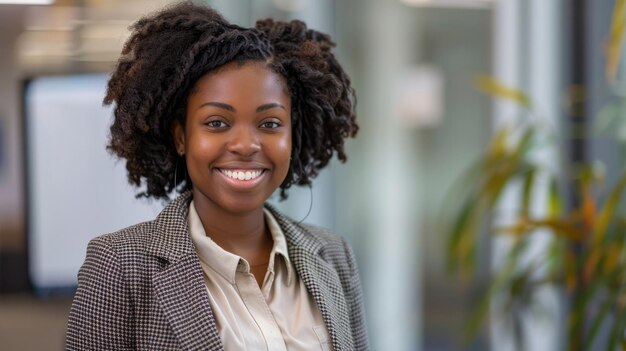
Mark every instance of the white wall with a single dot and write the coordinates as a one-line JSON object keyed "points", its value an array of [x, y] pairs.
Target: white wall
{"points": [[76, 189]]}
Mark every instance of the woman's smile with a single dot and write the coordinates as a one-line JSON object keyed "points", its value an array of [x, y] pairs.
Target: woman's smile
{"points": [[241, 178], [242, 174]]}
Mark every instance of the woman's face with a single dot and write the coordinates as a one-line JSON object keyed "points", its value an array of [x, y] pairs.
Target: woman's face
{"points": [[237, 137]]}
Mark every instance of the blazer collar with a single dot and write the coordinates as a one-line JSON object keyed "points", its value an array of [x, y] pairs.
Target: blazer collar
{"points": [[320, 278], [296, 234], [180, 285], [171, 239]]}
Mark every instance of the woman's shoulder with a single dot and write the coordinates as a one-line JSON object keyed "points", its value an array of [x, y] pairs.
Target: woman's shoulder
{"points": [[129, 238], [322, 234], [171, 218], [313, 238], [292, 228]]}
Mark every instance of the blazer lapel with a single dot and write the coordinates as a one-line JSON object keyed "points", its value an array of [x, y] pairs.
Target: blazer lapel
{"points": [[320, 279], [179, 285], [182, 296], [181, 292], [323, 284]]}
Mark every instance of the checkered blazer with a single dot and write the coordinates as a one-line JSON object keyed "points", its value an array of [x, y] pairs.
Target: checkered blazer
{"points": [[142, 288]]}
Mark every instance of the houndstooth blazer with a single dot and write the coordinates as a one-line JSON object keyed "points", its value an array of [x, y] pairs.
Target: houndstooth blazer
{"points": [[142, 288]]}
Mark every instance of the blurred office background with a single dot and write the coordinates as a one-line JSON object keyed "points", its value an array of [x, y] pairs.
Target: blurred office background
{"points": [[413, 64]]}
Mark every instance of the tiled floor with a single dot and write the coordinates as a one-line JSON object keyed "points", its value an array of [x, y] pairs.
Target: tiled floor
{"points": [[31, 323]]}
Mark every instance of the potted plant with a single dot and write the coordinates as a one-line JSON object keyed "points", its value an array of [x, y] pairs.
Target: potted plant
{"points": [[585, 254]]}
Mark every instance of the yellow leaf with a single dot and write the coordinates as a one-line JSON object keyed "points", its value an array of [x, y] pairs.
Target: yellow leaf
{"points": [[522, 226], [612, 258], [608, 210], [589, 210], [491, 86], [465, 244], [570, 271], [565, 227], [616, 40], [591, 263], [499, 144]]}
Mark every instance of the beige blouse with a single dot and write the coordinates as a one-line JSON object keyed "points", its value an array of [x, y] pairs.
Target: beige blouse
{"points": [[280, 315]]}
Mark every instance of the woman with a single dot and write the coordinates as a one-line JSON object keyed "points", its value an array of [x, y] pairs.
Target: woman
{"points": [[226, 115]]}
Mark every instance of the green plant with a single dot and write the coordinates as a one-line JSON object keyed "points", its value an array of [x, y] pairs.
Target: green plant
{"points": [[586, 250]]}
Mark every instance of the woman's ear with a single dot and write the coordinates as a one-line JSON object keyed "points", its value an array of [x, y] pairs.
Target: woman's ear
{"points": [[179, 137]]}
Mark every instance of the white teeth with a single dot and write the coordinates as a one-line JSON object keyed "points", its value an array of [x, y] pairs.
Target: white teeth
{"points": [[241, 175]]}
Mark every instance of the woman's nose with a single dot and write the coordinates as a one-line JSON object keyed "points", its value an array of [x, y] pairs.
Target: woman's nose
{"points": [[244, 141]]}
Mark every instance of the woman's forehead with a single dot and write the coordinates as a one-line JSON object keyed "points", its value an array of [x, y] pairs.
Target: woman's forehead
{"points": [[251, 82]]}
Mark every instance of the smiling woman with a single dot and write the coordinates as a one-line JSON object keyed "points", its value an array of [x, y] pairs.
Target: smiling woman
{"points": [[238, 124], [241, 112]]}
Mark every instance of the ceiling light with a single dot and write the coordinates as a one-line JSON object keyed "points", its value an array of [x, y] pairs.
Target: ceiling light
{"points": [[26, 2]]}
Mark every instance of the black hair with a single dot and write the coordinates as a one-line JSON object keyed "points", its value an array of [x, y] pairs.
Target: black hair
{"points": [[167, 52]]}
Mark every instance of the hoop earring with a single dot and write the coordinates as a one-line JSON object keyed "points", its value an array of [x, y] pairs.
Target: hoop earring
{"points": [[310, 204], [176, 171], [175, 175]]}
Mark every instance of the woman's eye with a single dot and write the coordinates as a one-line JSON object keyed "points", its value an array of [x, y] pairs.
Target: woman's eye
{"points": [[216, 124], [270, 125]]}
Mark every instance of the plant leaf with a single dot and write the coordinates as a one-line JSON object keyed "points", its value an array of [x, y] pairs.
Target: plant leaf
{"points": [[608, 209], [595, 285], [597, 322], [498, 146], [591, 262], [570, 271], [617, 330], [616, 39], [495, 88], [503, 278], [555, 202], [612, 257], [526, 141], [529, 181], [560, 226], [461, 241], [588, 209]]}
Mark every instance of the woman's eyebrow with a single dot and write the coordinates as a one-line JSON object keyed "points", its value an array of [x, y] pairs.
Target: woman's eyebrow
{"points": [[271, 105], [221, 105], [230, 108]]}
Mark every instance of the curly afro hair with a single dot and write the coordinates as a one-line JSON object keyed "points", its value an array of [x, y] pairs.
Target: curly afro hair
{"points": [[167, 53]]}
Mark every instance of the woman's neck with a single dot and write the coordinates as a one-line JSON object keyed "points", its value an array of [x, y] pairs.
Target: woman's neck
{"points": [[244, 234]]}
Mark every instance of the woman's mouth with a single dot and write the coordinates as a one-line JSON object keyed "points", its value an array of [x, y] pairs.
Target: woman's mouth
{"points": [[242, 174]]}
